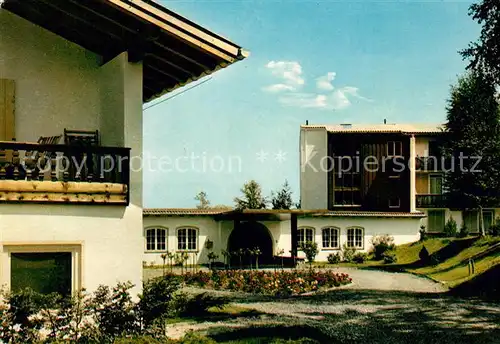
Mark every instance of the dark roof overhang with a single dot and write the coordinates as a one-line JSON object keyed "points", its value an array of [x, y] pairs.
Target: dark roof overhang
{"points": [[174, 50]]}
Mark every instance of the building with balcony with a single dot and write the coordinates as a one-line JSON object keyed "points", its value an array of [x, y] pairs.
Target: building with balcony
{"points": [[356, 182], [73, 79]]}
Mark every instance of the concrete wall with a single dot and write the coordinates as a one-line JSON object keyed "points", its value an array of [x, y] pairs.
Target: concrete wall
{"points": [[403, 230], [313, 168], [421, 146]]}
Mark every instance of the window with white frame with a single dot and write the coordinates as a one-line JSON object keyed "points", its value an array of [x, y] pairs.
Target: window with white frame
{"points": [[488, 218], [330, 237], [187, 239], [305, 234], [355, 237], [394, 148], [156, 239]]}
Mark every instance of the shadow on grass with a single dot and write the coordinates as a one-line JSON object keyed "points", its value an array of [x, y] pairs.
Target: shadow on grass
{"points": [[485, 285], [368, 316]]}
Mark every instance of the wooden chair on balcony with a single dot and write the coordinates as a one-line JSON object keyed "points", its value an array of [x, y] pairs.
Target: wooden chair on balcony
{"points": [[82, 164], [37, 161]]}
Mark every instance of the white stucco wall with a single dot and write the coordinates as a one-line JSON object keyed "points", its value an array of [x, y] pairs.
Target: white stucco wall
{"points": [[109, 238], [404, 230], [56, 81], [313, 168], [61, 85]]}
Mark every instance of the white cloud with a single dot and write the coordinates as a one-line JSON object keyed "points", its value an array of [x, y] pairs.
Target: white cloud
{"points": [[327, 97], [278, 88], [325, 82], [290, 74]]}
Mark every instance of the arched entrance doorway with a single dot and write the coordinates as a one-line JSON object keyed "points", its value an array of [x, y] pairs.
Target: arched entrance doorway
{"points": [[249, 235]]}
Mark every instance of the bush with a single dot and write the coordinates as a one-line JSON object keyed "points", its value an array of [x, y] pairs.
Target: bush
{"points": [[348, 253], [450, 228], [494, 229], [423, 233], [360, 257], [334, 258], [389, 257], [310, 249], [192, 306], [424, 255], [464, 231], [156, 299], [382, 244]]}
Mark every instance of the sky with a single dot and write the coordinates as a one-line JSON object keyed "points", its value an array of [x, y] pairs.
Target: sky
{"points": [[323, 61]]}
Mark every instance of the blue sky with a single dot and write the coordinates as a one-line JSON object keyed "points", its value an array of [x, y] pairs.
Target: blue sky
{"points": [[324, 61]]}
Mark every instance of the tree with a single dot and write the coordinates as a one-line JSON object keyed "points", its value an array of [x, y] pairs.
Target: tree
{"points": [[282, 199], [252, 197], [484, 54], [473, 143], [204, 203]]}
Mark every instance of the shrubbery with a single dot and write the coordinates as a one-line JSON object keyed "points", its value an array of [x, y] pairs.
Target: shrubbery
{"points": [[348, 253], [389, 257], [360, 257], [382, 244], [334, 258], [464, 231], [99, 317], [278, 283], [450, 228], [424, 255]]}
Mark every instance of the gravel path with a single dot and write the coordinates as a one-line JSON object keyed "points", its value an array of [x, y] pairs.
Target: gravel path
{"points": [[379, 307]]}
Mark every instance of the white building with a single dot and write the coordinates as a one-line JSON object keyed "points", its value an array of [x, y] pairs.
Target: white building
{"points": [[340, 204], [73, 79]]}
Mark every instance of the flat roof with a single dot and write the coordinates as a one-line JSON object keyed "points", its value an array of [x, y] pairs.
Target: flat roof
{"points": [[403, 128], [174, 50]]}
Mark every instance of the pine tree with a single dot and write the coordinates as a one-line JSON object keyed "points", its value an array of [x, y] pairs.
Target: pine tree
{"points": [[283, 198]]}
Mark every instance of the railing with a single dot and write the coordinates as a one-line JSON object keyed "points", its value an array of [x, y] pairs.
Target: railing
{"points": [[432, 201], [92, 165]]}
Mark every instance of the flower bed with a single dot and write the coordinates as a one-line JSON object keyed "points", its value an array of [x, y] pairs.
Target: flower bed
{"points": [[280, 283]]}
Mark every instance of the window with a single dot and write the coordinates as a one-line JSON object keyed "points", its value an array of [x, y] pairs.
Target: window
{"points": [[355, 237], [304, 235], [187, 239], [43, 272], [394, 148], [156, 239], [330, 237], [435, 220], [436, 185], [471, 220], [488, 218]]}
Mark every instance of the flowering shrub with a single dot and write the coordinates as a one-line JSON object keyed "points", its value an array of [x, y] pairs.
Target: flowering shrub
{"points": [[280, 283]]}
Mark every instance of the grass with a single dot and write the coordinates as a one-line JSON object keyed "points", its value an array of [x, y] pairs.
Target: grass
{"points": [[216, 314], [452, 255]]}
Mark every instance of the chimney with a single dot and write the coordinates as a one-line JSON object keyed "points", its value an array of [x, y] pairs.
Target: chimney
{"points": [[385, 121], [307, 122]]}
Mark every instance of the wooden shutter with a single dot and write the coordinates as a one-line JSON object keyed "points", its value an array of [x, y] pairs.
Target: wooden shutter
{"points": [[7, 110]]}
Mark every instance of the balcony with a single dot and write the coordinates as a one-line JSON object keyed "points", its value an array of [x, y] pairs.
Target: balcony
{"points": [[430, 164], [56, 173], [433, 201]]}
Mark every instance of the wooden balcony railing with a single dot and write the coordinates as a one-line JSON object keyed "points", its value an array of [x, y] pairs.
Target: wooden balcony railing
{"points": [[63, 173], [433, 201]]}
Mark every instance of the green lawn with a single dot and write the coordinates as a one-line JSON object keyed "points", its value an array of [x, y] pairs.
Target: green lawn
{"points": [[452, 255]]}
